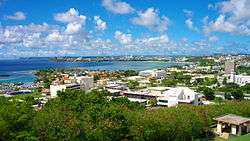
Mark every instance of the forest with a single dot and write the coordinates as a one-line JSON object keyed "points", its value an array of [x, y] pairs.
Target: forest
{"points": [[94, 116]]}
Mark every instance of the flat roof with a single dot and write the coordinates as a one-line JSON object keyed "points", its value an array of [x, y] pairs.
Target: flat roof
{"points": [[159, 88], [233, 119]]}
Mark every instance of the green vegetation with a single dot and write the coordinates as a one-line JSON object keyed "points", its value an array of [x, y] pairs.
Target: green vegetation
{"points": [[133, 84], [203, 62], [206, 81], [243, 69], [128, 73], [234, 90], [176, 77], [47, 76], [23, 96], [76, 115], [168, 82], [152, 102], [208, 92], [241, 138]]}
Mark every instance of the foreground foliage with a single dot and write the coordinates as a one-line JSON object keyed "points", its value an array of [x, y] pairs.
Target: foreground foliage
{"points": [[75, 115]]}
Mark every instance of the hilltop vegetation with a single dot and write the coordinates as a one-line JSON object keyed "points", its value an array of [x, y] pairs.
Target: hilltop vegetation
{"points": [[76, 115]]}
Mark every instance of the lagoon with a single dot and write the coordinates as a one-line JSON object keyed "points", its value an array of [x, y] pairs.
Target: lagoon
{"points": [[20, 70]]}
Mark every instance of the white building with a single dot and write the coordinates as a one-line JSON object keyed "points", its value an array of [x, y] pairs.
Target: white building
{"points": [[118, 85], [86, 82], [139, 96], [239, 79], [81, 82], [135, 78], [55, 88], [159, 74], [153, 73], [174, 96], [158, 90], [146, 73]]}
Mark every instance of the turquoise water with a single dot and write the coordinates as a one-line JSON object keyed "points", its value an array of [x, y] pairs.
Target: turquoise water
{"points": [[20, 70]]}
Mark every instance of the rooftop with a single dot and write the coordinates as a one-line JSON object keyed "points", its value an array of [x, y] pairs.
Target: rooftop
{"points": [[233, 119]]}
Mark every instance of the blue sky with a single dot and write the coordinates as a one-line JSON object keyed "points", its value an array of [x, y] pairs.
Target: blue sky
{"points": [[123, 27]]}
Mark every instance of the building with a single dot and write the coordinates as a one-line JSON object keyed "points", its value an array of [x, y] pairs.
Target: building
{"points": [[158, 90], [118, 85], [175, 96], [232, 125], [239, 79], [82, 82], [135, 78], [229, 67], [158, 74], [146, 73], [139, 96], [86, 82], [55, 88]]}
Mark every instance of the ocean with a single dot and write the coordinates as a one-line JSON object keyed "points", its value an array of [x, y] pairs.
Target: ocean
{"points": [[20, 70]]}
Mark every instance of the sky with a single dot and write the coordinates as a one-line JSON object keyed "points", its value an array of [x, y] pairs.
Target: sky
{"points": [[42, 28]]}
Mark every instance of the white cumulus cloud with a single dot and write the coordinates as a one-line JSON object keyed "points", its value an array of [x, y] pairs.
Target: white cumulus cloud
{"points": [[123, 38], [117, 7], [19, 15], [74, 20], [234, 17], [150, 19], [99, 23]]}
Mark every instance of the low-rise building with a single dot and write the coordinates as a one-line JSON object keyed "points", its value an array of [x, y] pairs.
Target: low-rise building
{"points": [[232, 125], [118, 85], [158, 90], [139, 96], [158, 74], [239, 79], [55, 88], [174, 96]]}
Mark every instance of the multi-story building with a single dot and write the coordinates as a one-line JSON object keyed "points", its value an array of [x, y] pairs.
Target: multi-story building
{"points": [[86, 82], [229, 67], [80, 82]]}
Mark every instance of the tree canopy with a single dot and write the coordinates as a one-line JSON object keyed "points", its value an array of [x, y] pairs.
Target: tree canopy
{"points": [[76, 115]]}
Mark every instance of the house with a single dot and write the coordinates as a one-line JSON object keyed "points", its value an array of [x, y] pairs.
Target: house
{"points": [[175, 96], [231, 124]]}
